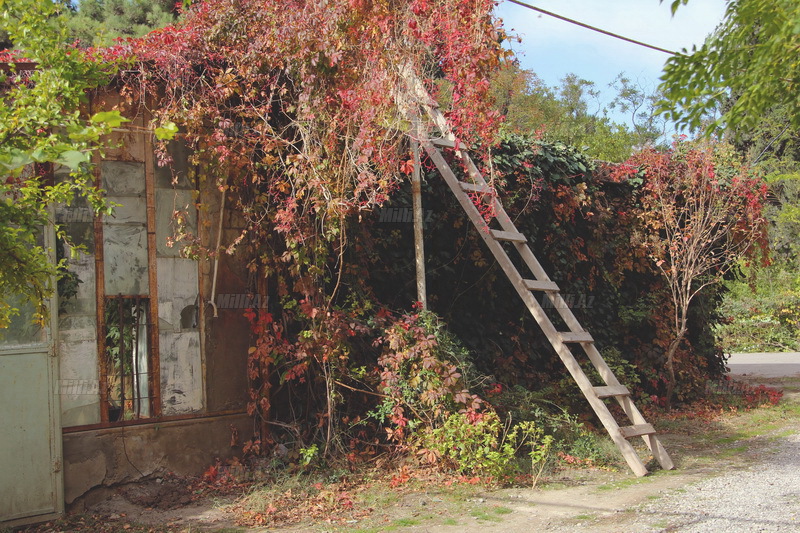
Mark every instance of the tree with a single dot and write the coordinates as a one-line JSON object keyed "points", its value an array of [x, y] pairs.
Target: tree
{"points": [[752, 56], [703, 212], [573, 113], [642, 106], [99, 22], [773, 146], [40, 126], [525, 101]]}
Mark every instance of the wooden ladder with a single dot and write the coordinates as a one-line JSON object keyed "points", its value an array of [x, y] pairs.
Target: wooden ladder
{"points": [[562, 341]]}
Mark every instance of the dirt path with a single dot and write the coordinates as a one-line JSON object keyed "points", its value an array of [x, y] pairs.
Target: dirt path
{"points": [[577, 500]]}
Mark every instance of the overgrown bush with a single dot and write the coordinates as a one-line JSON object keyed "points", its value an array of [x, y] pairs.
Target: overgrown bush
{"points": [[479, 444], [762, 315], [586, 231]]}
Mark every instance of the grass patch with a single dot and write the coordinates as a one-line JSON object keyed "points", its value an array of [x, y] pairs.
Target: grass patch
{"points": [[405, 522], [482, 515], [733, 451], [584, 517], [782, 434]]}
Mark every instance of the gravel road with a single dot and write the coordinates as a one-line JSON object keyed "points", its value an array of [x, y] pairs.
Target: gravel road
{"points": [[762, 497]]}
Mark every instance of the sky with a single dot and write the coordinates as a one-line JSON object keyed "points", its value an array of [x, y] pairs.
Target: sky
{"points": [[553, 48]]}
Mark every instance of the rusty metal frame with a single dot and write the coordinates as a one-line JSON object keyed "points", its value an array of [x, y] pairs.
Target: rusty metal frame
{"points": [[154, 376], [150, 421], [139, 303], [150, 198], [100, 304]]}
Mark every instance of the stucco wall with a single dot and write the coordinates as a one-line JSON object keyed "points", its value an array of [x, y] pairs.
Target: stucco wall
{"points": [[103, 458]]}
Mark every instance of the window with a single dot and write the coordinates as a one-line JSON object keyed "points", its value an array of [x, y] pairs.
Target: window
{"points": [[128, 358]]}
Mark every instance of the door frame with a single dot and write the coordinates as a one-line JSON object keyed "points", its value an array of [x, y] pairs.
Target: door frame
{"points": [[48, 349]]}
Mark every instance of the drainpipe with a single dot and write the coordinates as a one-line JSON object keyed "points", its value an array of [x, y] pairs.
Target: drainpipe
{"points": [[216, 257]]}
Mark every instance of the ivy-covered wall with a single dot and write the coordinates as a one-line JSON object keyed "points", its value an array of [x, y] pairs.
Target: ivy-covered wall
{"points": [[583, 227]]}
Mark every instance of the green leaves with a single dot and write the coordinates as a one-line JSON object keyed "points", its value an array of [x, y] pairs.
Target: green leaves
{"points": [[166, 132], [676, 4], [751, 62], [72, 159], [14, 159], [40, 122], [111, 119]]}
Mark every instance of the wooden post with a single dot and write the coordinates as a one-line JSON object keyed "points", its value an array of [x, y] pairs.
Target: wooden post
{"points": [[419, 248]]}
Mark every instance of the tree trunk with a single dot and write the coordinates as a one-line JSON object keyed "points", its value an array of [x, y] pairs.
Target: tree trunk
{"points": [[670, 364]]}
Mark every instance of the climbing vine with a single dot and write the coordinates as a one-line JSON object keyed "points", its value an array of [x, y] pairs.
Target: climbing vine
{"points": [[298, 112]]}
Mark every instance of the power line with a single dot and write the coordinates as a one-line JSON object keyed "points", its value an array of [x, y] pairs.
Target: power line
{"points": [[593, 28]]}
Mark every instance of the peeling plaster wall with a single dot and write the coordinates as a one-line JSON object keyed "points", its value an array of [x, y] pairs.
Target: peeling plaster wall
{"points": [[179, 339], [126, 269], [198, 375], [108, 457], [182, 388], [125, 260]]}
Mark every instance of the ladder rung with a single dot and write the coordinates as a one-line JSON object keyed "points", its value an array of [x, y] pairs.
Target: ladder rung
{"points": [[511, 236], [611, 390], [579, 336], [637, 430], [443, 138], [445, 143], [474, 187], [537, 285]]}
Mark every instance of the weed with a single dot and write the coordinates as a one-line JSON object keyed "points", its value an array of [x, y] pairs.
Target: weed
{"points": [[480, 514], [308, 454], [406, 522], [733, 451]]}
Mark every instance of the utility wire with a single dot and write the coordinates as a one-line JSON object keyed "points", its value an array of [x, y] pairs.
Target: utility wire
{"points": [[593, 28]]}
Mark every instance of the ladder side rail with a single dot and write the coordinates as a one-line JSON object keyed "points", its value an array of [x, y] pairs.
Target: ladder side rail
{"points": [[564, 353], [652, 441], [525, 251], [438, 118], [600, 364], [507, 224], [495, 247], [530, 259], [610, 424]]}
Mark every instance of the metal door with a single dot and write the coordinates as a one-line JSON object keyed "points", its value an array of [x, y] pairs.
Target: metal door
{"points": [[31, 483]]}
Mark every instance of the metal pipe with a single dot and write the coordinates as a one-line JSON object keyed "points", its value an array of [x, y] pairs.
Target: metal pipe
{"points": [[216, 257]]}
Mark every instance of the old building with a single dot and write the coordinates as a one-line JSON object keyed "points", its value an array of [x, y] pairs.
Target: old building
{"points": [[142, 369]]}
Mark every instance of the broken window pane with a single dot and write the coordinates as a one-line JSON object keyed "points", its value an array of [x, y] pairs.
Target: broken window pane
{"points": [[127, 357]]}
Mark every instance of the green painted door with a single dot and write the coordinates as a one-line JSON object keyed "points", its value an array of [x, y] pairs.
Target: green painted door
{"points": [[31, 486]]}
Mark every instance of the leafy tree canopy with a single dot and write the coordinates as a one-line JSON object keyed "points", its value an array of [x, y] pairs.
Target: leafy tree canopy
{"points": [[752, 55], [41, 126], [573, 113], [99, 22]]}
